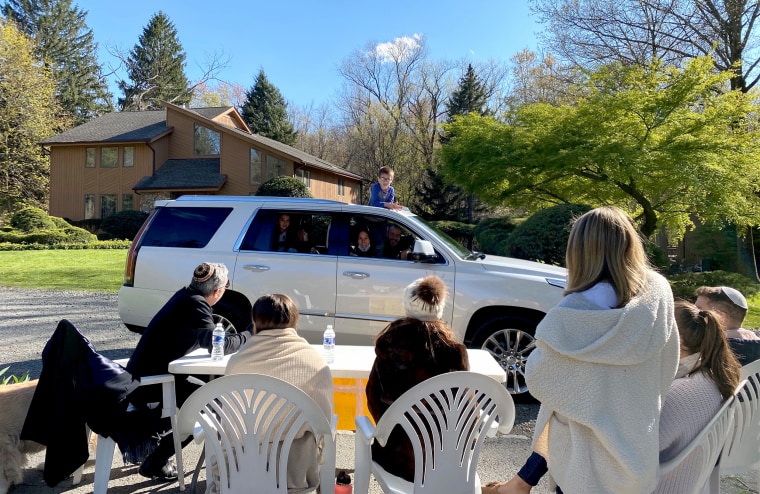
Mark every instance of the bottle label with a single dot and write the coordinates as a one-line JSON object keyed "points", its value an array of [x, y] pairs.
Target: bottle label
{"points": [[218, 338], [328, 341]]}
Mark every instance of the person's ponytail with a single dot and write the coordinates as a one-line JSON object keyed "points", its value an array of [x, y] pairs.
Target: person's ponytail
{"points": [[701, 332]]}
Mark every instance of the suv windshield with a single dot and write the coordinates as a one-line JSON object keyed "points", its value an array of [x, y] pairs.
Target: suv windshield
{"points": [[458, 248]]}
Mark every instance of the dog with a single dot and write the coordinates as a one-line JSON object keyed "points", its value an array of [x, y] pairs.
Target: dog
{"points": [[14, 405]]}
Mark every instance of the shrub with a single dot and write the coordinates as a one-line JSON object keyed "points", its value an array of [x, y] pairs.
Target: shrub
{"points": [[461, 232], [92, 225], [684, 284], [283, 187], [124, 224], [60, 222], [30, 219], [543, 236], [492, 234]]}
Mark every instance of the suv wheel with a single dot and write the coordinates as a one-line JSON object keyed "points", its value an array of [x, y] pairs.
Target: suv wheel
{"points": [[233, 319], [510, 340]]}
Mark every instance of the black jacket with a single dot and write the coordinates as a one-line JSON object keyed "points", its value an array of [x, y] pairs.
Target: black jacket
{"points": [[77, 386]]}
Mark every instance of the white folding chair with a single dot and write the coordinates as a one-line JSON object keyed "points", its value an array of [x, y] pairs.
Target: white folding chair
{"points": [[742, 451], [447, 418], [701, 456], [249, 422], [105, 448]]}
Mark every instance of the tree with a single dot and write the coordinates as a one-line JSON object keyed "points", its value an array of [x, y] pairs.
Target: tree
{"points": [[266, 112], [594, 32], [283, 186], [217, 95], [28, 114], [660, 142], [469, 96], [66, 46], [156, 68]]}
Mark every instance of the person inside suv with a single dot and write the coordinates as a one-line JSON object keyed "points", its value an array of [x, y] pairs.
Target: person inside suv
{"points": [[284, 238], [397, 245], [184, 324], [363, 245]]}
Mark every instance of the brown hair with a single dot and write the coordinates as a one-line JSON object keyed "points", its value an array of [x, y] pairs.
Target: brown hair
{"points": [[604, 245], [274, 311], [718, 300], [385, 169], [429, 335], [701, 332]]}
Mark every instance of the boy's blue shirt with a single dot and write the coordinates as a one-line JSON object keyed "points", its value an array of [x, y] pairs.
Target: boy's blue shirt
{"points": [[377, 196]]}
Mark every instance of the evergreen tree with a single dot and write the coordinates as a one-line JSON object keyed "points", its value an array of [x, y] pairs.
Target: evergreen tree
{"points": [[469, 96], [443, 200], [266, 112], [66, 46], [156, 68]]}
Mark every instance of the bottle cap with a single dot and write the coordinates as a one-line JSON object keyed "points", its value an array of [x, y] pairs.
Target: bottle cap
{"points": [[343, 478]]}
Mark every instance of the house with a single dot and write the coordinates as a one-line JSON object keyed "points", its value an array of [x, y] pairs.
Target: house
{"points": [[127, 160]]}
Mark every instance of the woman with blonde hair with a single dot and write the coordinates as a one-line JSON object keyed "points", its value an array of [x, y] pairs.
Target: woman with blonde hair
{"points": [[604, 358]]}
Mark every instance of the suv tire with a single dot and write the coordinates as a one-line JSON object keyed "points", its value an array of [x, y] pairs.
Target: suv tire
{"points": [[510, 340], [233, 318]]}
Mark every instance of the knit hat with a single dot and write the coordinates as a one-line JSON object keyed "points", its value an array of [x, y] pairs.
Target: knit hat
{"points": [[424, 298], [735, 296], [203, 272]]}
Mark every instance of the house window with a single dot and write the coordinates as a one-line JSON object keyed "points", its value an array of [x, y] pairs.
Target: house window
{"points": [[129, 156], [341, 187], [89, 206], [255, 166], [107, 205], [127, 202], [89, 158], [109, 157], [304, 176], [206, 141], [276, 167]]}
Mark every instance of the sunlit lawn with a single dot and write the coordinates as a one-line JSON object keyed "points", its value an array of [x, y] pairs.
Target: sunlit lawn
{"points": [[86, 270]]}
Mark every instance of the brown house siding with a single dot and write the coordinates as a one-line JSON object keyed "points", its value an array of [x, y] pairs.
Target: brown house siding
{"points": [[70, 180]]}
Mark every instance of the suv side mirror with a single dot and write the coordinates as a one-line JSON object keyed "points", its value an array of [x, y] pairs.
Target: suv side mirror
{"points": [[423, 251]]}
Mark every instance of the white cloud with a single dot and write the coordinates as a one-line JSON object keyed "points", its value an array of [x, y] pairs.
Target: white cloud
{"points": [[399, 48]]}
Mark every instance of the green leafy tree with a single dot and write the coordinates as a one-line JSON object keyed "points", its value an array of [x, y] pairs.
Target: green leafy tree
{"points": [[28, 115], [661, 142], [65, 44], [156, 68], [440, 199], [266, 112]]}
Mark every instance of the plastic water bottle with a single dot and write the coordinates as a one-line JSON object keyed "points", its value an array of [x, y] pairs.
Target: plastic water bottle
{"points": [[328, 344], [217, 339]]}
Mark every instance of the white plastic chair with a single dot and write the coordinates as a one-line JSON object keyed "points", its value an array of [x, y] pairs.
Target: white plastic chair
{"points": [[702, 454], [742, 451], [446, 417], [249, 422], [105, 448]]}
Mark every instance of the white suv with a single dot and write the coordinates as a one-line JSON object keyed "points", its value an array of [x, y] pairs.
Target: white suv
{"points": [[494, 302]]}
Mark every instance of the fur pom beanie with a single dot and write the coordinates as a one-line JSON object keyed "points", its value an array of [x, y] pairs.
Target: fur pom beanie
{"points": [[425, 298]]}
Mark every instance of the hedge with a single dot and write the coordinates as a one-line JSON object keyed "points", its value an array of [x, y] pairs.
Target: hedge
{"points": [[100, 244]]}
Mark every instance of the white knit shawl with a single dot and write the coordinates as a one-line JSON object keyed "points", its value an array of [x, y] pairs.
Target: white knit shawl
{"points": [[601, 376]]}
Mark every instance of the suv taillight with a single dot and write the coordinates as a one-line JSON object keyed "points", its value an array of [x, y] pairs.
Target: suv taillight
{"points": [[129, 269]]}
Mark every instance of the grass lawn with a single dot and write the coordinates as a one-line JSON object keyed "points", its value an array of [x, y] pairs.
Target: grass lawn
{"points": [[87, 270]]}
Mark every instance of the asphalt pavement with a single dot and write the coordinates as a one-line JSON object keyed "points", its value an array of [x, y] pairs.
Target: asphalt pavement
{"points": [[28, 318]]}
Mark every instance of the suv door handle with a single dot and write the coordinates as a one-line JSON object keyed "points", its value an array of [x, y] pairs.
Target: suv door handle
{"points": [[355, 275], [256, 267]]}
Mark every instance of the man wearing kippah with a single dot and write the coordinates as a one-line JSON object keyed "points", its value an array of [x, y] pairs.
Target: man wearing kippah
{"points": [[182, 325], [731, 307]]}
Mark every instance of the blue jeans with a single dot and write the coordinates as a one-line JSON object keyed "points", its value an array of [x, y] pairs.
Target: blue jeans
{"points": [[533, 469]]}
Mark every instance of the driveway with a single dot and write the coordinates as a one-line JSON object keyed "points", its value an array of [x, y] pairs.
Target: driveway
{"points": [[29, 317]]}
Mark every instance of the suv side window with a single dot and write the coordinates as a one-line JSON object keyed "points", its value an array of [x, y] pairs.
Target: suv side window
{"points": [[304, 232], [190, 228]]}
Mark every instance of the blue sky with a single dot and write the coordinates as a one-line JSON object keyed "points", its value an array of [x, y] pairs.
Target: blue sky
{"points": [[300, 43]]}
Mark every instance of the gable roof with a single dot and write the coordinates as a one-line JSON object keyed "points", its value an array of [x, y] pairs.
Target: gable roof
{"points": [[199, 173], [132, 126], [298, 156]]}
